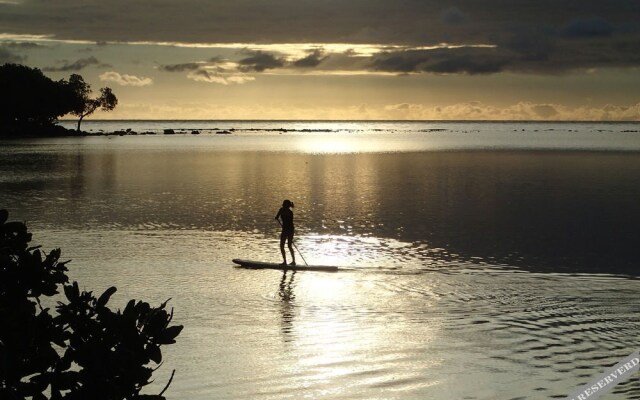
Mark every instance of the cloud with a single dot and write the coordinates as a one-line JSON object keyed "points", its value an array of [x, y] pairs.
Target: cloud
{"points": [[545, 111], [125, 79], [441, 61], [287, 21], [314, 59], [259, 61], [202, 75], [215, 70], [180, 67], [545, 36], [9, 51], [216, 60], [348, 61], [22, 45], [76, 65], [521, 111], [216, 76], [8, 56], [400, 61], [468, 64], [617, 113]]}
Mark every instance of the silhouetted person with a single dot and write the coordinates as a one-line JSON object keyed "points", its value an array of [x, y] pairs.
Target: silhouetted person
{"points": [[287, 230]]}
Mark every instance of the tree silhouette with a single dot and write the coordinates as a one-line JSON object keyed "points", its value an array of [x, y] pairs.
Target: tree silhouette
{"points": [[31, 103], [86, 351], [84, 105], [28, 97]]}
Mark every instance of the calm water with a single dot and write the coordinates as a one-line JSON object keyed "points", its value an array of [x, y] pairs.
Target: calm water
{"points": [[480, 261]]}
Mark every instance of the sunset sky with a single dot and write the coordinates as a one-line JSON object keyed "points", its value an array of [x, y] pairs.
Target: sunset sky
{"points": [[339, 59]]}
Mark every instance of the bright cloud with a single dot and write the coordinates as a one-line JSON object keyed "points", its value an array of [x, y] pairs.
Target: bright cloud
{"points": [[125, 79], [521, 111]]}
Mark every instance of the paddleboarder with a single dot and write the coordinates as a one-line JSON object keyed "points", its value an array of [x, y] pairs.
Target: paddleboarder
{"points": [[286, 214]]}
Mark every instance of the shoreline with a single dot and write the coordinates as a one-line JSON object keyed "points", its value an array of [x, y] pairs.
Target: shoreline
{"points": [[426, 121]]}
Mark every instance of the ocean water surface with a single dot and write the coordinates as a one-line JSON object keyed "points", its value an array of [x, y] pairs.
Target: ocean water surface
{"points": [[478, 260]]}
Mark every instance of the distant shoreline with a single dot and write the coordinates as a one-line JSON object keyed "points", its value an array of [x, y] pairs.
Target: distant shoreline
{"points": [[150, 127], [355, 137], [121, 127], [444, 121]]}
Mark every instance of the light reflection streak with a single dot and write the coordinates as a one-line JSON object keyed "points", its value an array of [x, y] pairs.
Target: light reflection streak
{"points": [[339, 344], [287, 309], [336, 339], [337, 144], [355, 252]]}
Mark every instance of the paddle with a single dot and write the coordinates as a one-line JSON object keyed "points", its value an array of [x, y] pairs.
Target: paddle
{"points": [[294, 245]]}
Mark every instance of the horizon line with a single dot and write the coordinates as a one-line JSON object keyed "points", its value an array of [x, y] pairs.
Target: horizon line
{"points": [[351, 120]]}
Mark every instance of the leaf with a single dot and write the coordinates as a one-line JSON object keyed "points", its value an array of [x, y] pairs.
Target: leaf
{"points": [[40, 384], [143, 308], [72, 292], [163, 305], [50, 290], [128, 310], [104, 298], [154, 353], [156, 323], [53, 256], [170, 334], [65, 361]]}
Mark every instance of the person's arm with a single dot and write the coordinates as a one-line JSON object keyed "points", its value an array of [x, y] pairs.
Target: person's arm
{"points": [[278, 214]]}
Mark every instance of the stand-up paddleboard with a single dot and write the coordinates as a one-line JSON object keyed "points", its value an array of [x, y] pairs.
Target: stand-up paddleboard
{"points": [[266, 265]]}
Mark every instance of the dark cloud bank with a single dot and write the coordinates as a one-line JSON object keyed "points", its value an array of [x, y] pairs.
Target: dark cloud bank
{"points": [[533, 36], [77, 65], [258, 61]]}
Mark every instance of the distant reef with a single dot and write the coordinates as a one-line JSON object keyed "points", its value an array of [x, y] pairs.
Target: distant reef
{"points": [[52, 130]]}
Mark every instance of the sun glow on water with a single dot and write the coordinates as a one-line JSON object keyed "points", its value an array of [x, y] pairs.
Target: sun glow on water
{"points": [[333, 137], [342, 143], [333, 250], [352, 252], [324, 146]]}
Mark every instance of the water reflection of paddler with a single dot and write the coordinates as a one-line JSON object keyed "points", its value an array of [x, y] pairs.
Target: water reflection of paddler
{"points": [[286, 214], [287, 310], [286, 287]]}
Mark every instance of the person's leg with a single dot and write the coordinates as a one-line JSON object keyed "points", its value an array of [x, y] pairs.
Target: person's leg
{"points": [[283, 237], [290, 243]]}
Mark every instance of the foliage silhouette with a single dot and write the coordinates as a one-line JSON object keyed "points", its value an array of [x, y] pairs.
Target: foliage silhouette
{"points": [[83, 104], [86, 351], [29, 97], [31, 103]]}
